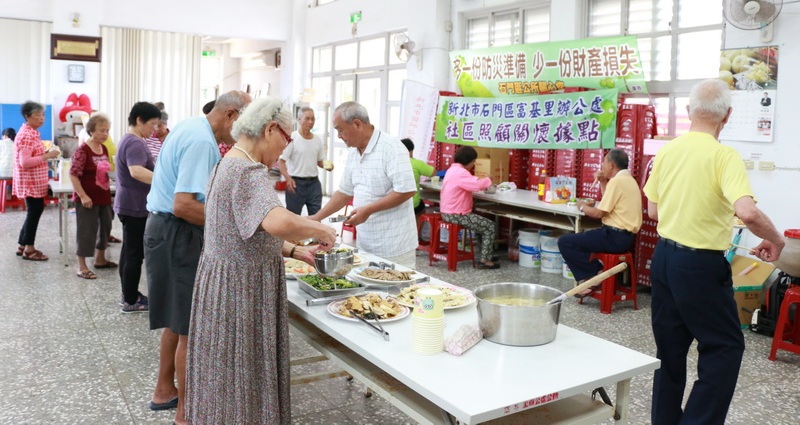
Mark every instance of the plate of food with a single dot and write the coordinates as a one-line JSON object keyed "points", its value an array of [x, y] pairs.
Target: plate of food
{"points": [[357, 260], [295, 268], [386, 308], [454, 296], [376, 276], [320, 286]]}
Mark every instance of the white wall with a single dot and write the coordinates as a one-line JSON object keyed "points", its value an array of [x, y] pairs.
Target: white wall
{"points": [[777, 190]]}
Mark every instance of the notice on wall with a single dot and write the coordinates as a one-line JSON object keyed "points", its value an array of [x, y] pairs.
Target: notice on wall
{"points": [[526, 69], [417, 112], [752, 75], [583, 120]]}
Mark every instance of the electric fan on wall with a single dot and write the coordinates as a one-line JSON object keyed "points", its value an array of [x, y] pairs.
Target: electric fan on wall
{"points": [[753, 15], [403, 46]]}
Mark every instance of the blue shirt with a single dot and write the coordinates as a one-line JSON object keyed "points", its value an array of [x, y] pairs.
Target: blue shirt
{"points": [[187, 158]]}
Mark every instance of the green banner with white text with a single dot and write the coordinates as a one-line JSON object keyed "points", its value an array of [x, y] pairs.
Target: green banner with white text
{"points": [[582, 120], [525, 69]]}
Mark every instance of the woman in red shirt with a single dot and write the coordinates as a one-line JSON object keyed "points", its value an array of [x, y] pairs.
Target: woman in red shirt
{"points": [[92, 196], [30, 176]]}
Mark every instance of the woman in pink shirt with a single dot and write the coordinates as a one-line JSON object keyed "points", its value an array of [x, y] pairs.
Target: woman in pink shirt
{"points": [[456, 203], [30, 176]]}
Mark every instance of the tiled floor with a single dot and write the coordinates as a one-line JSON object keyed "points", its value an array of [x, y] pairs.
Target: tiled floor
{"points": [[67, 355]]}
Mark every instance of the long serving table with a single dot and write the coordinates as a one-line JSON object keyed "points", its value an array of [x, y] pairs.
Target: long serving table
{"points": [[522, 205], [541, 384], [63, 189]]}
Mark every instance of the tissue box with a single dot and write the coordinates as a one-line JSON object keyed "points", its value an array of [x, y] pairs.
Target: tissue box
{"points": [[559, 190], [747, 288]]}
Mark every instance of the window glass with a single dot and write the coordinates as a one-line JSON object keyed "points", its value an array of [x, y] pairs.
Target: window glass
{"points": [[346, 55], [372, 52], [396, 78], [477, 33], [393, 120], [647, 16], [698, 54], [693, 13], [662, 114], [537, 25], [605, 18], [321, 59], [322, 88], [655, 54], [682, 122], [506, 29]]}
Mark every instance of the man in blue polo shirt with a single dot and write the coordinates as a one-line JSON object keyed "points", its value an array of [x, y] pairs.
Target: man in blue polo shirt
{"points": [[174, 236]]}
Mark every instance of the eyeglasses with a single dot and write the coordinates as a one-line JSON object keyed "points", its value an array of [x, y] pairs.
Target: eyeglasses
{"points": [[285, 136]]}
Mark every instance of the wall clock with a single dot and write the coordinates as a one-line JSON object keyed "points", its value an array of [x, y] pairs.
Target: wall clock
{"points": [[75, 73]]}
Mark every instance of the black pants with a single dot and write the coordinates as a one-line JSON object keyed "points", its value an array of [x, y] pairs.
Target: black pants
{"points": [[308, 193], [693, 299], [35, 206], [131, 256], [576, 248]]}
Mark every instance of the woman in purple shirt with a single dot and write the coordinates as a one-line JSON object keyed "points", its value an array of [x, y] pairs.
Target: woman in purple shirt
{"points": [[134, 173]]}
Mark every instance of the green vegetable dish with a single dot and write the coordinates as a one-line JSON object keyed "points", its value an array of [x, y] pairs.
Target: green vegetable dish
{"points": [[326, 283]]}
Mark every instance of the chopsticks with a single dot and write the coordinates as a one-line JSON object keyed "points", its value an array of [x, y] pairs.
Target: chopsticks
{"points": [[741, 247]]}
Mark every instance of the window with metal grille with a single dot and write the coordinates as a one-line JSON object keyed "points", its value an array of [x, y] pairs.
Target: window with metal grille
{"points": [[529, 24], [679, 43]]}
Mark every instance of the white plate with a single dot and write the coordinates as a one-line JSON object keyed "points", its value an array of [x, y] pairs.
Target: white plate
{"points": [[470, 296], [333, 309], [354, 274], [358, 260], [293, 275]]}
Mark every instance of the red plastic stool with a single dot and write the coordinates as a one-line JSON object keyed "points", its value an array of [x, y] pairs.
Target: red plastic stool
{"points": [[349, 227], [610, 292], [787, 333], [13, 202], [429, 246], [450, 250]]}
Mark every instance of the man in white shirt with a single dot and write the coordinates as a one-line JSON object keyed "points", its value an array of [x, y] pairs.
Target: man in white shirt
{"points": [[379, 180], [299, 163]]}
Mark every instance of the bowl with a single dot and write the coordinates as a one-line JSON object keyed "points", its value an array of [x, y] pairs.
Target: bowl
{"points": [[490, 190], [336, 263], [588, 201], [518, 325]]}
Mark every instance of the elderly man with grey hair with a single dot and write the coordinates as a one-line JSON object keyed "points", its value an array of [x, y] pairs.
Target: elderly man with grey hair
{"points": [[379, 180], [695, 188], [299, 165], [173, 236], [620, 210]]}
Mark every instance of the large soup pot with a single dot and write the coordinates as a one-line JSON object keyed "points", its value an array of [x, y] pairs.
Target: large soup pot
{"points": [[518, 325]]}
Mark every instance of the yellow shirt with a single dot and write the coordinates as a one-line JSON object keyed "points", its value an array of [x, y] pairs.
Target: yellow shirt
{"points": [[112, 151], [622, 203], [695, 181]]}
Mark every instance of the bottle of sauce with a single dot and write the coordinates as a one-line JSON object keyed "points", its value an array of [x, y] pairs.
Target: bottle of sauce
{"points": [[542, 179]]}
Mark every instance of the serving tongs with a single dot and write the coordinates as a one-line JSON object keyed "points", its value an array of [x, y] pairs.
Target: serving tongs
{"points": [[381, 265], [379, 329], [340, 218]]}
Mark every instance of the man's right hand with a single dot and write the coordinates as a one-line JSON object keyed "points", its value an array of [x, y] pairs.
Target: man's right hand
{"points": [[767, 251], [290, 184]]}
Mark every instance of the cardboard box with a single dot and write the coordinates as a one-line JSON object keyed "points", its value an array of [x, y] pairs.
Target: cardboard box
{"points": [[559, 190], [492, 163], [747, 288]]}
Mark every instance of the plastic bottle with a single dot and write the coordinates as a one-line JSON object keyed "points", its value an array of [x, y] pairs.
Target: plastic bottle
{"points": [[542, 179]]}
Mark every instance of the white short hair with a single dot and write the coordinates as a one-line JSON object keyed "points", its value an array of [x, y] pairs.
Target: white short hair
{"points": [[258, 115], [710, 100]]}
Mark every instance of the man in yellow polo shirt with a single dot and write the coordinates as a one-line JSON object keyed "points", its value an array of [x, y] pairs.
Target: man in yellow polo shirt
{"points": [[696, 186], [621, 214]]}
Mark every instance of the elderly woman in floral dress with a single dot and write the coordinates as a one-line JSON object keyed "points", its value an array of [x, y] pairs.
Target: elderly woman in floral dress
{"points": [[237, 367], [30, 177]]}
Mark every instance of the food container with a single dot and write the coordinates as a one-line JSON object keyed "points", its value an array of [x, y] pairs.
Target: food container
{"points": [[317, 293], [518, 325], [336, 263]]}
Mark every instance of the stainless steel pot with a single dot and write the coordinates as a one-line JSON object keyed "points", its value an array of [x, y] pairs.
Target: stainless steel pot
{"points": [[334, 264], [516, 325]]}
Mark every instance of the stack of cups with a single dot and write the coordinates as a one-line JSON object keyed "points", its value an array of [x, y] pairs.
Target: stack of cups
{"points": [[427, 322]]}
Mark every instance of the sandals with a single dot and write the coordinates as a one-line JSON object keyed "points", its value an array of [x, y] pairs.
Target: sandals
{"points": [[113, 239], [36, 255], [86, 274], [107, 265], [483, 266], [20, 250]]}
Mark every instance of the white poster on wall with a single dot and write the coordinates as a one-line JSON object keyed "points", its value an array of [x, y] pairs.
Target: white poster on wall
{"points": [[752, 75], [417, 114]]}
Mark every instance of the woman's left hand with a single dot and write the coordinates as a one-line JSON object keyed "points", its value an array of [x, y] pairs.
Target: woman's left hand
{"points": [[306, 253]]}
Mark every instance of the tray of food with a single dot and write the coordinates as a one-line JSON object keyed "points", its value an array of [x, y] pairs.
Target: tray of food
{"points": [[295, 268], [454, 296], [376, 276], [320, 286], [386, 308]]}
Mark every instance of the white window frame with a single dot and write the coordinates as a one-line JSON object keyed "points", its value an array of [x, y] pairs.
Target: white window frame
{"points": [[491, 14]]}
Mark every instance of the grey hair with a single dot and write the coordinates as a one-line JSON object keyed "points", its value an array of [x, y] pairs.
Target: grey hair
{"points": [[709, 99], [349, 111], [95, 120], [231, 100], [258, 115], [619, 158], [303, 110], [164, 116]]}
